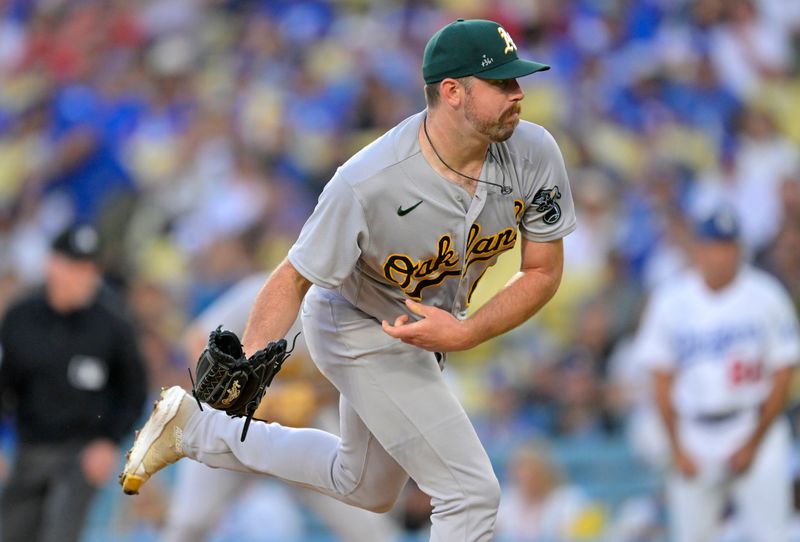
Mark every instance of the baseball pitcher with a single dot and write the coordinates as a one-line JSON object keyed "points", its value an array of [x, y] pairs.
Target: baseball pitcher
{"points": [[384, 270]]}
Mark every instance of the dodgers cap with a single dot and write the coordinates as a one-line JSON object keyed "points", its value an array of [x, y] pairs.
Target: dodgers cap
{"points": [[474, 47], [78, 242], [721, 224]]}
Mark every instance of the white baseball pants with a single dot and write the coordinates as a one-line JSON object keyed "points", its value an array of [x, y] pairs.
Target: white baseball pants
{"points": [[762, 496]]}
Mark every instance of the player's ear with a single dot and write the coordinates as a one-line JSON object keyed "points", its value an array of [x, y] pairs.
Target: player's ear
{"points": [[451, 91]]}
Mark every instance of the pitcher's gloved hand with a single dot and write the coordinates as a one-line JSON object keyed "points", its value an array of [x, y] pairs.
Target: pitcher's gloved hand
{"points": [[228, 381]]}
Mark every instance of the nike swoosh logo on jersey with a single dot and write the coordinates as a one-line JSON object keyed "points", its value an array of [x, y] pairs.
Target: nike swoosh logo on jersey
{"points": [[403, 212]]}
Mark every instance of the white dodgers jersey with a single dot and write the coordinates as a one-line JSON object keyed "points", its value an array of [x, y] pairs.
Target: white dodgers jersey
{"points": [[722, 346]]}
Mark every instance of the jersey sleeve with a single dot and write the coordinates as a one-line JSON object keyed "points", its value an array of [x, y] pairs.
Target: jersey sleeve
{"points": [[783, 332], [549, 211], [654, 347], [333, 238]]}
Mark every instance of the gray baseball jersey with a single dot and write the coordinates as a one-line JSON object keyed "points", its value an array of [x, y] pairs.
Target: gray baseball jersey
{"points": [[387, 227]]}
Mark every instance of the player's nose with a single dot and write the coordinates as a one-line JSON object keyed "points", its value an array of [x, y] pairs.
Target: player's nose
{"points": [[515, 91]]}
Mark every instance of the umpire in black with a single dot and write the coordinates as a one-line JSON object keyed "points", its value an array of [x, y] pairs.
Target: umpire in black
{"points": [[73, 381]]}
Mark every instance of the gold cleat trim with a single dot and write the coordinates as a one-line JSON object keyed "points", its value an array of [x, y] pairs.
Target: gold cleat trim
{"points": [[131, 484], [135, 474]]}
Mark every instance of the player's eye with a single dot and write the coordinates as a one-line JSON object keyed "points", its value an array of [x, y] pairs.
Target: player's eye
{"points": [[503, 84]]}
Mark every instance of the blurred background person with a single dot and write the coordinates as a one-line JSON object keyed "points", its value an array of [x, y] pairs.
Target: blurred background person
{"points": [[72, 377], [541, 506], [722, 341]]}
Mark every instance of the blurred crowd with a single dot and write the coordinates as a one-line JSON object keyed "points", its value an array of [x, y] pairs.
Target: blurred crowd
{"points": [[196, 136]]}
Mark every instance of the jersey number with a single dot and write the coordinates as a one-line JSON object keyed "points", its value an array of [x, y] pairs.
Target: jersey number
{"points": [[742, 372]]}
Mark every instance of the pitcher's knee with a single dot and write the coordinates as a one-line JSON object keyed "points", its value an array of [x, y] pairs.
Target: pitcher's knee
{"points": [[486, 493], [475, 499]]}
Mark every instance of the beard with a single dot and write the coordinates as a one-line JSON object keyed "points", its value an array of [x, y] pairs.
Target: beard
{"points": [[497, 130]]}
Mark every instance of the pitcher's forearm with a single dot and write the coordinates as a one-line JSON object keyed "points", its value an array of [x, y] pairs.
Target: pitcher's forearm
{"points": [[520, 298], [275, 308]]}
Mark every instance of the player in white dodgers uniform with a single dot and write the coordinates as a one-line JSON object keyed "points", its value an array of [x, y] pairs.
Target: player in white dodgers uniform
{"points": [[722, 341], [194, 509], [384, 269]]}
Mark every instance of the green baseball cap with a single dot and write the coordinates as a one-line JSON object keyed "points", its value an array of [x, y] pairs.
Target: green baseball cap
{"points": [[474, 47]]}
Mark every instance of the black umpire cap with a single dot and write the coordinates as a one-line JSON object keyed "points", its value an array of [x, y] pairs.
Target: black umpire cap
{"points": [[78, 242]]}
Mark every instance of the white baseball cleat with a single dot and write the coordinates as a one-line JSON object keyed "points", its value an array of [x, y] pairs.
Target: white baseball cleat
{"points": [[160, 442]]}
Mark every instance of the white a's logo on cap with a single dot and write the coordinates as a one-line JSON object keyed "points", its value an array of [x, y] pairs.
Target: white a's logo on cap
{"points": [[510, 45]]}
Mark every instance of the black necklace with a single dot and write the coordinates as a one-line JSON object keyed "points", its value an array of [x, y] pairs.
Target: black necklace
{"points": [[504, 189]]}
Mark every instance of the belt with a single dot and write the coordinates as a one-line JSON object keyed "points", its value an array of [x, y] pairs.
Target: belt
{"points": [[719, 417]]}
